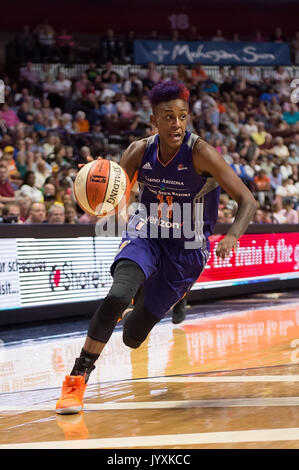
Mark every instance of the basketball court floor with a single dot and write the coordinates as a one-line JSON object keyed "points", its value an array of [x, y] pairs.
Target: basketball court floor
{"points": [[225, 378]]}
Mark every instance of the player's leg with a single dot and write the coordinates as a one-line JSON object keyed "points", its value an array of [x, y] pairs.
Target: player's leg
{"points": [[127, 278], [137, 324], [179, 311]]}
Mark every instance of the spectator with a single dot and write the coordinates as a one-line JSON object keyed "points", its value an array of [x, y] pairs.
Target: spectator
{"points": [[252, 77], [295, 46], [9, 116], [260, 136], [275, 178], [280, 149], [263, 187], [28, 189], [56, 214], [11, 213], [37, 213], [81, 124], [218, 36], [65, 45], [71, 216], [198, 74], [291, 117], [152, 76], [237, 166], [7, 193], [278, 217], [289, 212]]}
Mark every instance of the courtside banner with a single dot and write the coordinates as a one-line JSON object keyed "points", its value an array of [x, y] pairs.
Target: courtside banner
{"points": [[48, 271], [211, 53], [261, 257]]}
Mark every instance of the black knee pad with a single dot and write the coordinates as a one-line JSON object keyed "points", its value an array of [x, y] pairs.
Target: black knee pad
{"points": [[137, 324], [127, 279]]}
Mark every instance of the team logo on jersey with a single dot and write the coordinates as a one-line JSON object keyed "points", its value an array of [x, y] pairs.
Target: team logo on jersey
{"points": [[181, 167], [147, 166]]}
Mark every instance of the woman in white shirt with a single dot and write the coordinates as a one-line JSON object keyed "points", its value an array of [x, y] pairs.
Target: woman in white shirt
{"points": [[28, 189]]}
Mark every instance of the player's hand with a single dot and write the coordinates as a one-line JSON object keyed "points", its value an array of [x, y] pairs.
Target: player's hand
{"points": [[228, 243], [89, 159]]}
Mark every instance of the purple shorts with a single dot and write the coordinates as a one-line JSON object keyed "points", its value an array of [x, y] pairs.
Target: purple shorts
{"points": [[170, 270]]}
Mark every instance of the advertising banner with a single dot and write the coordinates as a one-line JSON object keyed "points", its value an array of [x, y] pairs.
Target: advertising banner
{"points": [[211, 53], [40, 272], [260, 257], [9, 275]]}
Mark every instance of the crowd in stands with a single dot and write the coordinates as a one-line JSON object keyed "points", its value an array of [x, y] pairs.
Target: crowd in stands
{"points": [[50, 123], [43, 43]]}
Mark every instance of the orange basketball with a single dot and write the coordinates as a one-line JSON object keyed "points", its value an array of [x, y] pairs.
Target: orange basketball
{"points": [[101, 187]]}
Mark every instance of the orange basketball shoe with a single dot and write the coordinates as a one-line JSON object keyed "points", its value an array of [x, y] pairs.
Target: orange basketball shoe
{"points": [[71, 400]]}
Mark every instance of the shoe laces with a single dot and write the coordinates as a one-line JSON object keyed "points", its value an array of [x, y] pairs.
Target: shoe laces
{"points": [[72, 388]]}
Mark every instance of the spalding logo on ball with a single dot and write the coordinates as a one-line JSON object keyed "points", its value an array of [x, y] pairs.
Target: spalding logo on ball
{"points": [[101, 188]]}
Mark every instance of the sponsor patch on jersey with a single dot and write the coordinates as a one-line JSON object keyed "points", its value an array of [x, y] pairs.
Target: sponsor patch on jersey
{"points": [[181, 167]]}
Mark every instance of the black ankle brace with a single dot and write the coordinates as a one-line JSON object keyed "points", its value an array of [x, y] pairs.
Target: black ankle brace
{"points": [[83, 366]]}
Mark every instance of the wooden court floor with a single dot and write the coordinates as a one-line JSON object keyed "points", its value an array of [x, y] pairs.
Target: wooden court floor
{"points": [[221, 381]]}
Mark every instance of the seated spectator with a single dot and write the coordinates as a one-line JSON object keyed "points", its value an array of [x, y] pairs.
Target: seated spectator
{"points": [[28, 189], [11, 213], [280, 149], [37, 213], [289, 212], [237, 166], [275, 178], [252, 77], [124, 107], [260, 136], [9, 116], [115, 83], [71, 216], [8, 159], [251, 126], [42, 172], [263, 188], [143, 116], [291, 117], [56, 214], [198, 74], [278, 217], [132, 86], [152, 76], [7, 193], [62, 86], [80, 123], [28, 76], [92, 72], [109, 110]]}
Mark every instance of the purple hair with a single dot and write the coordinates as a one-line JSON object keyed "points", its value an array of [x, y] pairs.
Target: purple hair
{"points": [[167, 91]]}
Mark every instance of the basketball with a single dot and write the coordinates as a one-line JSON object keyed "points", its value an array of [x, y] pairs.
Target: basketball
{"points": [[101, 188]]}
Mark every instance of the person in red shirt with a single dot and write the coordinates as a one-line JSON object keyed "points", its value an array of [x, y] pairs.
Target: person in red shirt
{"points": [[7, 193]]}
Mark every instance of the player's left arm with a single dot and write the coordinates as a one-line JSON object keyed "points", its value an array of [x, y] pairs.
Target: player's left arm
{"points": [[207, 160]]}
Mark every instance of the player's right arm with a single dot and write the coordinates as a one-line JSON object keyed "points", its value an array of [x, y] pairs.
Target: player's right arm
{"points": [[131, 159]]}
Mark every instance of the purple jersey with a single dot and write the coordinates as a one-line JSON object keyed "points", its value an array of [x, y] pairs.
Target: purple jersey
{"points": [[175, 202]]}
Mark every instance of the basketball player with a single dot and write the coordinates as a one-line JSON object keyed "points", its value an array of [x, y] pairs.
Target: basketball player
{"points": [[154, 266]]}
